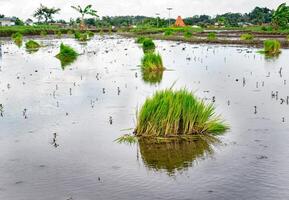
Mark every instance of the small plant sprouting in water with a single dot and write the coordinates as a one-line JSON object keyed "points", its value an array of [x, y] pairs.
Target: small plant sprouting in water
{"points": [[43, 33], [140, 40], [148, 45], [212, 36], [32, 45], [67, 55], [177, 113], [152, 62], [271, 48], [188, 34], [168, 32], [17, 38], [83, 37], [247, 37], [127, 139]]}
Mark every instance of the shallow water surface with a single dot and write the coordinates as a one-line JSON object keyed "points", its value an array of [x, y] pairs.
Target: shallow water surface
{"points": [[58, 126]]}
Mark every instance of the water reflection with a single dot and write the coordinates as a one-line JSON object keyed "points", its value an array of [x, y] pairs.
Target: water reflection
{"points": [[152, 77], [176, 156]]}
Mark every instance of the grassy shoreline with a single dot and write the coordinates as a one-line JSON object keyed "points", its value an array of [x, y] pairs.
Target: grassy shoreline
{"points": [[194, 40]]}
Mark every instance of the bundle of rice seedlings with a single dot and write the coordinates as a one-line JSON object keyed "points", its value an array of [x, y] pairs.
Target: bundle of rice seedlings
{"points": [[148, 45], [152, 62], [177, 113], [247, 36], [272, 48], [212, 36], [67, 55], [31, 44]]}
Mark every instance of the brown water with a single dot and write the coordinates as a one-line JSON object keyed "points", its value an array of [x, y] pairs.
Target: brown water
{"points": [[58, 127]]}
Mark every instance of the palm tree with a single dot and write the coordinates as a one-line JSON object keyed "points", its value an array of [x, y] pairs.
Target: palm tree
{"points": [[86, 11], [281, 16], [45, 13]]}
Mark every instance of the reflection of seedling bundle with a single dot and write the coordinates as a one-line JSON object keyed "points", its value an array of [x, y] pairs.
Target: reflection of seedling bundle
{"points": [[67, 55], [178, 155]]}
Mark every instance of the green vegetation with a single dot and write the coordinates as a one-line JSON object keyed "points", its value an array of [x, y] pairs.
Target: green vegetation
{"points": [[168, 32], [67, 55], [7, 31], [83, 36], [152, 62], [43, 33], [280, 18], [59, 34], [17, 38], [177, 113], [148, 45], [212, 36], [188, 34], [271, 48], [87, 10], [152, 77], [140, 40], [45, 13], [247, 36], [31, 44], [126, 139]]}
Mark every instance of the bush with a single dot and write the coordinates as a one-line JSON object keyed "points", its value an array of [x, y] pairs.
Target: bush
{"points": [[212, 36], [67, 55], [247, 36], [177, 113], [148, 45], [152, 62], [31, 44], [272, 47]]}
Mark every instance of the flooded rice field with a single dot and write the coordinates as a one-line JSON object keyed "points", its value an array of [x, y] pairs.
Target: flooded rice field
{"points": [[58, 125]]}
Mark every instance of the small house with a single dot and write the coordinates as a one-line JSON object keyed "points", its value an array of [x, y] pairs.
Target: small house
{"points": [[7, 21]]}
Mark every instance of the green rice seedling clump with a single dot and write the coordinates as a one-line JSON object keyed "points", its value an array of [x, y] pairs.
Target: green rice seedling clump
{"points": [[168, 32], [17, 38], [272, 47], [212, 36], [90, 34], [31, 44], [66, 55], [148, 45], [43, 33], [247, 37], [140, 40], [152, 62], [177, 113], [188, 34]]}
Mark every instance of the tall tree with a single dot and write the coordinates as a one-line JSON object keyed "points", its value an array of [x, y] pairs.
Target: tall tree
{"points": [[45, 13], [85, 11], [281, 16]]}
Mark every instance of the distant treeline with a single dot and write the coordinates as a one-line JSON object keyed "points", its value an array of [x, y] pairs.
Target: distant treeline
{"points": [[257, 16]]}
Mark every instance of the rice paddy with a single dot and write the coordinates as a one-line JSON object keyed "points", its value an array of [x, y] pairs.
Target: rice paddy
{"points": [[271, 48]]}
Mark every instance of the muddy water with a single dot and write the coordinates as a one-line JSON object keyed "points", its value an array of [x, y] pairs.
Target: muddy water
{"points": [[58, 127]]}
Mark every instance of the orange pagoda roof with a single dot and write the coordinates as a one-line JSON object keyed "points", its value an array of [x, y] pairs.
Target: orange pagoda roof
{"points": [[180, 22]]}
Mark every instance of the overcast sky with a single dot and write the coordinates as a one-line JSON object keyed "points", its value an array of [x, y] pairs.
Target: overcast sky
{"points": [[24, 8]]}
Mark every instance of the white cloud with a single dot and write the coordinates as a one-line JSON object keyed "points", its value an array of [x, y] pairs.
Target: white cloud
{"points": [[24, 9]]}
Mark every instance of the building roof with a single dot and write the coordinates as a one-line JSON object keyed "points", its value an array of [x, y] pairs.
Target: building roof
{"points": [[12, 19], [180, 22]]}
